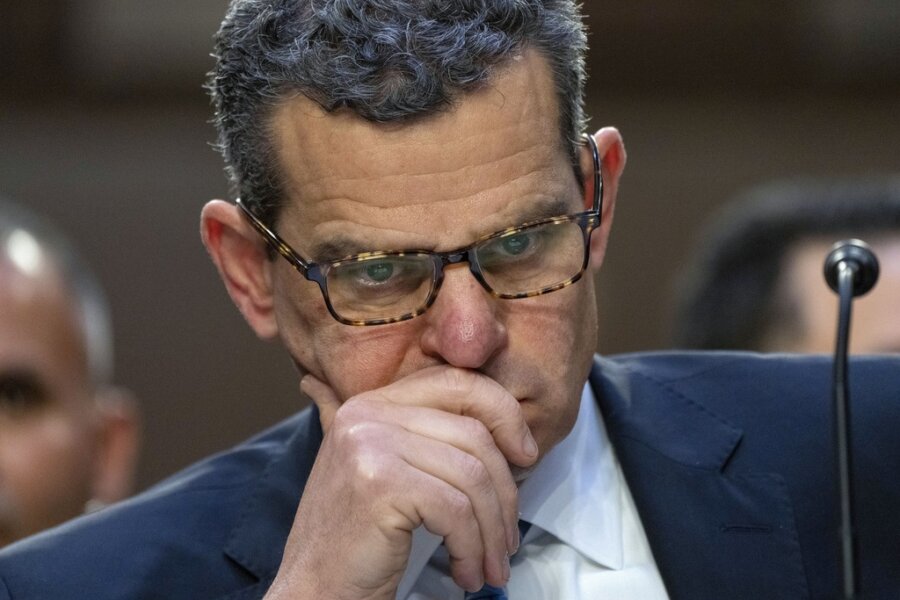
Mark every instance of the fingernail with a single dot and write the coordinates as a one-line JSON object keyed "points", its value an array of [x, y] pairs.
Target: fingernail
{"points": [[529, 445], [518, 537], [304, 384], [506, 568]]}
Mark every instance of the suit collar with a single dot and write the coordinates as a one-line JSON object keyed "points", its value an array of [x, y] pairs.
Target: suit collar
{"points": [[572, 480], [714, 533], [257, 540]]}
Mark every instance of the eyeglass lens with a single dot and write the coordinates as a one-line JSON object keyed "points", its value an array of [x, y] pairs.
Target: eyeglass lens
{"points": [[381, 287]]}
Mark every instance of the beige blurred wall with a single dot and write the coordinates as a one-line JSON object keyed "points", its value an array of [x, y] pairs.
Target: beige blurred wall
{"points": [[104, 129]]}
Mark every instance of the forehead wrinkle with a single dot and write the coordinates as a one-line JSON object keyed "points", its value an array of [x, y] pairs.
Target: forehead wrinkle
{"points": [[307, 139], [408, 164], [297, 123], [470, 180], [456, 212]]}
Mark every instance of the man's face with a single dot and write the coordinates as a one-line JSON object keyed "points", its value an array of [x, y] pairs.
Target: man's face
{"points": [[437, 184], [876, 328], [46, 429]]}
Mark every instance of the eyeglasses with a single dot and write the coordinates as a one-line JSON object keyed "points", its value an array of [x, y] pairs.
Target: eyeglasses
{"points": [[377, 288]]}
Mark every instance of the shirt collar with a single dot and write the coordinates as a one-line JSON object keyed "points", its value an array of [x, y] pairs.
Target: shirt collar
{"points": [[574, 494]]}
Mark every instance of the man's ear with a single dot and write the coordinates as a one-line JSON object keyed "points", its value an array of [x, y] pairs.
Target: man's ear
{"points": [[612, 163], [118, 434], [244, 266]]}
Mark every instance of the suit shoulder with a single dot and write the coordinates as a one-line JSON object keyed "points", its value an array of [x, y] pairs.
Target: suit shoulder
{"points": [[773, 403], [727, 379], [770, 401], [173, 534]]}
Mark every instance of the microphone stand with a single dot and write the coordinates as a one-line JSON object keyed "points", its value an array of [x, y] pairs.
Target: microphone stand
{"points": [[841, 394], [851, 269]]}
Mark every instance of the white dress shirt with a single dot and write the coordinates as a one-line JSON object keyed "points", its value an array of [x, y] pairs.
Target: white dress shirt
{"points": [[586, 541]]}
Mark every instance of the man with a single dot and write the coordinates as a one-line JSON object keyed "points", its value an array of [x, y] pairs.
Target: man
{"points": [[68, 440], [419, 223], [755, 282]]}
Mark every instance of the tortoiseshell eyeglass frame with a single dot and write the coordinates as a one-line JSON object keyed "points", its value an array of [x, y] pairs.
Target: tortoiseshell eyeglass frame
{"points": [[318, 272]]}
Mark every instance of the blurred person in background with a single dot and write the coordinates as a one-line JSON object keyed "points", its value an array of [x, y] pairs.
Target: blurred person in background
{"points": [[68, 439], [755, 281]]}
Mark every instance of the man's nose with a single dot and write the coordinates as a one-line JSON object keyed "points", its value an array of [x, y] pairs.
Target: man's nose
{"points": [[463, 327]]}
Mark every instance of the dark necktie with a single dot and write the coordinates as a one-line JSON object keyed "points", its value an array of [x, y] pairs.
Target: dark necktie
{"points": [[489, 592]]}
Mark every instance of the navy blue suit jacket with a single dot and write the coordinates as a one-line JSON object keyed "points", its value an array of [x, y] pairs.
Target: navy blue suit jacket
{"points": [[728, 456]]}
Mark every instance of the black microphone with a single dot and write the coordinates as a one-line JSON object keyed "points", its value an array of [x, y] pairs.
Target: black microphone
{"points": [[857, 256], [851, 269]]}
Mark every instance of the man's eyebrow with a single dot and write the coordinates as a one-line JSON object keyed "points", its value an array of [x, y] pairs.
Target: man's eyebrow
{"points": [[341, 245], [546, 209]]}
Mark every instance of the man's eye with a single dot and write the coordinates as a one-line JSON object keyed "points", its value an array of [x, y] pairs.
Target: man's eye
{"points": [[19, 394], [386, 279], [380, 271], [515, 248], [516, 244]]}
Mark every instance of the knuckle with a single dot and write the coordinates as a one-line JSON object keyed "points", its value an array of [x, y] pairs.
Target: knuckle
{"points": [[478, 433], [362, 441], [360, 438], [356, 435], [352, 413], [459, 505], [372, 472], [346, 416], [475, 472]]}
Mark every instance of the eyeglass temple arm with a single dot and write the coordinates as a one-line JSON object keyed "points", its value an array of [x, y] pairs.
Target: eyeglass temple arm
{"points": [[598, 178], [274, 241]]}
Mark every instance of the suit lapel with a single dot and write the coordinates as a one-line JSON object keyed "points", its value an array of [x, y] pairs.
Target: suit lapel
{"points": [[714, 534], [257, 540]]}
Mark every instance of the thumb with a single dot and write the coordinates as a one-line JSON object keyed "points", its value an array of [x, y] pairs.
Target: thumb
{"points": [[325, 398]]}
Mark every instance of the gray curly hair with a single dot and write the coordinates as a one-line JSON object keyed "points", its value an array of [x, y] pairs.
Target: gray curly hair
{"points": [[386, 60]]}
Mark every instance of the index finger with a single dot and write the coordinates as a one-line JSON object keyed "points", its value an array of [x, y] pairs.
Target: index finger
{"points": [[469, 393]]}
